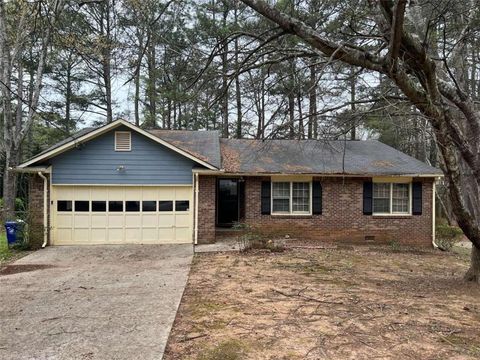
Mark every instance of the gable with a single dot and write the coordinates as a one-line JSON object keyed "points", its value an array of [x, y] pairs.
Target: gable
{"points": [[96, 162], [88, 134]]}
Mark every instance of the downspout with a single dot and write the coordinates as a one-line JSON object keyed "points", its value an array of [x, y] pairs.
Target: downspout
{"points": [[45, 206], [435, 246], [196, 209]]}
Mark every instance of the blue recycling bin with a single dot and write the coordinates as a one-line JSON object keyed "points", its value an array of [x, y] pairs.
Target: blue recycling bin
{"points": [[14, 230]]}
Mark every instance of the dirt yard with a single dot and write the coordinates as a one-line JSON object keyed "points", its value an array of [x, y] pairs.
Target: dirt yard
{"points": [[328, 304]]}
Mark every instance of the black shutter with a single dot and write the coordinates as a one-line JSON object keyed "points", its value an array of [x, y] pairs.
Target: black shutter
{"points": [[316, 197], [266, 193], [367, 198], [417, 198]]}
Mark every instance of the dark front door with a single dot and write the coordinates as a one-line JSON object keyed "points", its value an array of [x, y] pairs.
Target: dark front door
{"points": [[228, 209]]}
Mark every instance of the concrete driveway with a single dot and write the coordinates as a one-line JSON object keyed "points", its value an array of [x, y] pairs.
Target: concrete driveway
{"points": [[92, 302]]}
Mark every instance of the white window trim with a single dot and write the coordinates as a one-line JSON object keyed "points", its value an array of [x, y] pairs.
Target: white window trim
{"points": [[290, 212], [391, 212], [130, 140]]}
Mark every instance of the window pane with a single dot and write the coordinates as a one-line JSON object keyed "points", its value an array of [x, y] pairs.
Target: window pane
{"points": [[99, 206], [165, 206], [115, 206], [132, 205], [280, 190], [301, 197], [82, 205], [149, 206], [181, 205], [281, 205], [400, 198], [64, 205], [381, 198]]}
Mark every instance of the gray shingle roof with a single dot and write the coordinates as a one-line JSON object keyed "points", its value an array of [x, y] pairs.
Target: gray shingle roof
{"points": [[319, 157], [204, 145], [369, 157]]}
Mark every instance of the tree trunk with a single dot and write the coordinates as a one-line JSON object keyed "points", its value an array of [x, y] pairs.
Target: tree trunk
{"points": [[225, 122], [312, 116], [291, 115], [473, 273], [353, 96]]}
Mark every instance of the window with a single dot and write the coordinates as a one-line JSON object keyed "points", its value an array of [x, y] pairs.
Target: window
{"points": [[82, 206], [64, 205], [132, 206], [391, 198], [281, 197], [99, 206], [149, 206], [115, 206], [301, 197], [123, 141], [182, 205], [165, 206], [291, 197]]}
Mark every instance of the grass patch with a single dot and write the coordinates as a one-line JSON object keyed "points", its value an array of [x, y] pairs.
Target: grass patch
{"points": [[5, 252], [227, 350]]}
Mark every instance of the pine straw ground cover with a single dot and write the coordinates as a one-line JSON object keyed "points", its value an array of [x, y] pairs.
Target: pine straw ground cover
{"points": [[328, 304]]}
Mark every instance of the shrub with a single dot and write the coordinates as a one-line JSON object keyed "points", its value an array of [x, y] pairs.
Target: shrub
{"points": [[250, 239], [446, 235]]}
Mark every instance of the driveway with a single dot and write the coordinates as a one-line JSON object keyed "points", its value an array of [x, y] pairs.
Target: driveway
{"points": [[92, 302]]}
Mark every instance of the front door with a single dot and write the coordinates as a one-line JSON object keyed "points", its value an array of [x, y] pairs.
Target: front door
{"points": [[228, 205]]}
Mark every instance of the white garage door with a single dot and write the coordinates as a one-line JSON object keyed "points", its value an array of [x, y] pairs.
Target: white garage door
{"points": [[121, 214]]}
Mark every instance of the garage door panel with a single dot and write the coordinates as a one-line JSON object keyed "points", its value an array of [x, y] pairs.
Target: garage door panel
{"points": [[99, 221], [165, 221], [82, 193], [98, 236], [166, 234], [110, 227], [64, 235], [183, 234], [115, 221], [115, 236], [149, 234], [182, 220], [81, 235], [133, 235], [65, 221], [149, 220], [134, 221], [81, 221]]}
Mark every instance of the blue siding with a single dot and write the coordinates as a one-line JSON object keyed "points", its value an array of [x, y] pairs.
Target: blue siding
{"points": [[96, 161]]}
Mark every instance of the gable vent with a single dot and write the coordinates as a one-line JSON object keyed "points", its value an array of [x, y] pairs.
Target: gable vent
{"points": [[123, 141]]}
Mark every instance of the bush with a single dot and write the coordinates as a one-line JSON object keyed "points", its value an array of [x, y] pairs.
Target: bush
{"points": [[446, 236], [250, 239], [19, 204]]}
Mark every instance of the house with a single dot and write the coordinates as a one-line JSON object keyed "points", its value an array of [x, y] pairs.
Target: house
{"points": [[121, 184]]}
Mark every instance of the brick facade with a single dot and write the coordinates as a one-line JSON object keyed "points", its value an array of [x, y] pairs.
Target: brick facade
{"points": [[342, 216], [206, 209], [35, 210]]}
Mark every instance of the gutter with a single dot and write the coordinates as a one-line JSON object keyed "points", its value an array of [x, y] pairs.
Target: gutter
{"points": [[45, 205], [366, 175], [196, 209], [435, 246]]}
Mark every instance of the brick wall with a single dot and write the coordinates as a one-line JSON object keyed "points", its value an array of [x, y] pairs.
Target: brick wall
{"points": [[35, 210], [206, 209], [342, 217]]}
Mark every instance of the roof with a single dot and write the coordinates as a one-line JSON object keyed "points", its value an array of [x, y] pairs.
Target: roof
{"points": [[202, 144], [319, 157], [249, 156]]}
